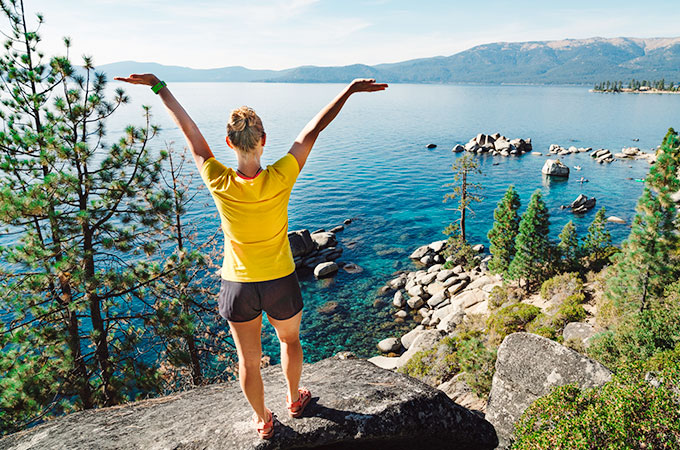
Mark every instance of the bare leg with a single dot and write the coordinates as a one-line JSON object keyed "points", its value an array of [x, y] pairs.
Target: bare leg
{"points": [[288, 332], [249, 347]]}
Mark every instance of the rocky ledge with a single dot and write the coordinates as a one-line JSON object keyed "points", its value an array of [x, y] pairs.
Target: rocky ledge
{"points": [[355, 405]]}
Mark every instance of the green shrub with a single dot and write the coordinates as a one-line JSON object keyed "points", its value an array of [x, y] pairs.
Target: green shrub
{"points": [[478, 362], [561, 286], [435, 365], [419, 365], [510, 319], [576, 345], [542, 325], [639, 338], [466, 352], [626, 413], [461, 251], [500, 295], [571, 310]]}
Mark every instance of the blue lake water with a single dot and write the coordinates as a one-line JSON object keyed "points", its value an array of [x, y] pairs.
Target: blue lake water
{"points": [[371, 164]]}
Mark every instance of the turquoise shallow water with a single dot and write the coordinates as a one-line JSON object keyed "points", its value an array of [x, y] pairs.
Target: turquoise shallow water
{"points": [[371, 164]]}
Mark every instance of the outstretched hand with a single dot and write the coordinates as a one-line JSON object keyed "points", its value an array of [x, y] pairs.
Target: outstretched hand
{"points": [[367, 85], [147, 79]]}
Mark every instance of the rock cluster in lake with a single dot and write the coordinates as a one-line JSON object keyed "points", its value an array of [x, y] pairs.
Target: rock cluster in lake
{"points": [[355, 405], [561, 151], [495, 144], [603, 155], [581, 205], [316, 251]]}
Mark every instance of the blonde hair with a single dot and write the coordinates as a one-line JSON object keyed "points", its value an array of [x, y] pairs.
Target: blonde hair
{"points": [[244, 129]]}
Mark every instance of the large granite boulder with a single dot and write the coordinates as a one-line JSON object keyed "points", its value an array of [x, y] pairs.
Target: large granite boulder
{"points": [[355, 405], [555, 168], [528, 367], [300, 242]]}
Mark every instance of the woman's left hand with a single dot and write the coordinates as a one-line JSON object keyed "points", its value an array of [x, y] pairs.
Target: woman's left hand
{"points": [[366, 85], [147, 79]]}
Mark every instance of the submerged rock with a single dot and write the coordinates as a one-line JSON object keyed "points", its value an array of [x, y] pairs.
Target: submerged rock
{"points": [[355, 405], [328, 308]]}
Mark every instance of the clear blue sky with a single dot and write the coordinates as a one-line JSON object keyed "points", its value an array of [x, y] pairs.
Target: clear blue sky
{"points": [[286, 33]]}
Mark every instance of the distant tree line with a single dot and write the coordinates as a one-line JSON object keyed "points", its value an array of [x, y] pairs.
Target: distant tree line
{"points": [[637, 86]]}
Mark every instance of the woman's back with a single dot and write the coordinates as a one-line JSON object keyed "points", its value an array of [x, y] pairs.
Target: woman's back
{"points": [[254, 216]]}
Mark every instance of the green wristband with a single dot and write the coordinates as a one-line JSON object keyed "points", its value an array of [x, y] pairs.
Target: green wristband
{"points": [[160, 85]]}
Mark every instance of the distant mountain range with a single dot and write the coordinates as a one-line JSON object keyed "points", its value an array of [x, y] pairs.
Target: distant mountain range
{"points": [[569, 61]]}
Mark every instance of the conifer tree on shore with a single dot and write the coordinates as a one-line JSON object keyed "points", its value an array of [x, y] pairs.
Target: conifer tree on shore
{"points": [[464, 190], [532, 247], [650, 258], [504, 231], [598, 239], [568, 247]]}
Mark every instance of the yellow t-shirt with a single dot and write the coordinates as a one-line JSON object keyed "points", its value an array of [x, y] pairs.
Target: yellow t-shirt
{"points": [[254, 215]]}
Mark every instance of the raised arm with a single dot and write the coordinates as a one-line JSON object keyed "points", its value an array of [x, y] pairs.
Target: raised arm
{"points": [[305, 141], [197, 144]]}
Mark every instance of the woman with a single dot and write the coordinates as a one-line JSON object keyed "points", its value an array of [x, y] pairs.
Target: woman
{"points": [[258, 271]]}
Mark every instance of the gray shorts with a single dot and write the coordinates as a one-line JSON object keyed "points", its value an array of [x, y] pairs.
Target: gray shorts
{"points": [[280, 298]]}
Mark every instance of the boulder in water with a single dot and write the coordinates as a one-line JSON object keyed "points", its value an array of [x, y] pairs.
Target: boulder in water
{"points": [[555, 168], [325, 269], [300, 242]]}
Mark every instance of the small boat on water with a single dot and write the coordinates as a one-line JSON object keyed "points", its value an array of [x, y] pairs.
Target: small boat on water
{"points": [[577, 167]]}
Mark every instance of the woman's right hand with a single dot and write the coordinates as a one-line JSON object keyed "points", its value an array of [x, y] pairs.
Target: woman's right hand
{"points": [[366, 85], [147, 79]]}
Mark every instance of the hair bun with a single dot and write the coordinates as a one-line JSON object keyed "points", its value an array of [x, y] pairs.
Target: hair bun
{"points": [[244, 128]]}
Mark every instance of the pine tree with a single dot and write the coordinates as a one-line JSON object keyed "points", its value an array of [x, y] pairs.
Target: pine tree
{"points": [[533, 251], [42, 357], [504, 231], [194, 345], [464, 191], [568, 247], [598, 239], [81, 226], [649, 260]]}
